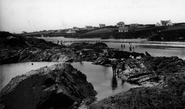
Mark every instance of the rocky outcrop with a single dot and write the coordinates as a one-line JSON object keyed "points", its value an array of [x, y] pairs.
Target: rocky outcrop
{"points": [[98, 45], [35, 55], [15, 49], [162, 81], [141, 98], [102, 61], [170, 95], [56, 87], [153, 70]]}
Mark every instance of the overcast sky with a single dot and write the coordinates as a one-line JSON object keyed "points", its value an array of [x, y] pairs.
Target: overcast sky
{"points": [[35, 15]]}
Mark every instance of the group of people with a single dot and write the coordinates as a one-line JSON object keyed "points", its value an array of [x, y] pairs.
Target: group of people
{"points": [[131, 48], [60, 42]]}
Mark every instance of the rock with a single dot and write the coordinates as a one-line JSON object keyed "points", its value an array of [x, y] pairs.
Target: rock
{"points": [[141, 98], [151, 70], [166, 74], [98, 45], [56, 87], [102, 61], [21, 49], [147, 54]]}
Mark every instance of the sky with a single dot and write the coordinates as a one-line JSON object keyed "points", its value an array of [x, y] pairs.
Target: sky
{"points": [[36, 15]]}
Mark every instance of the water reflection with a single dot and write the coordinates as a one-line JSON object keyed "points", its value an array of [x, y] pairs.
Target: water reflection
{"points": [[105, 71], [114, 82]]}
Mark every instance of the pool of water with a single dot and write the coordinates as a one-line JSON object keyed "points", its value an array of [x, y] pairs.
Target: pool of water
{"points": [[101, 77]]}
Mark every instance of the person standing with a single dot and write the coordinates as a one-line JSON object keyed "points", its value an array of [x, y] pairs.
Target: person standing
{"points": [[130, 48], [121, 47], [114, 67]]}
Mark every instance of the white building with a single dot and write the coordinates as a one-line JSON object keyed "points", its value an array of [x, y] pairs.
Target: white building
{"points": [[120, 24], [166, 23], [123, 29]]}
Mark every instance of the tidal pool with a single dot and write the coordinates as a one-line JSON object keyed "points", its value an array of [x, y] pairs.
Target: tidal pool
{"points": [[101, 77]]}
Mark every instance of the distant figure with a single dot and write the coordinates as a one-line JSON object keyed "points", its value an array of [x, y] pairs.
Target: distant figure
{"points": [[130, 48], [31, 63], [80, 56], [114, 66], [124, 46], [133, 48]]}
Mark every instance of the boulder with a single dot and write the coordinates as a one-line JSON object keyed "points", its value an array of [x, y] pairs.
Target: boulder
{"points": [[56, 87], [141, 98]]}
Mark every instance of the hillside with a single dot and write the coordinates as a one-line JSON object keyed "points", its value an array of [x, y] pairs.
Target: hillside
{"points": [[152, 33], [174, 33], [102, 31]]}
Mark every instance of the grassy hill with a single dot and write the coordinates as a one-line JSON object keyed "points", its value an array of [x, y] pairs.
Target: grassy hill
{"points": [[153, 33], [102, 31]]}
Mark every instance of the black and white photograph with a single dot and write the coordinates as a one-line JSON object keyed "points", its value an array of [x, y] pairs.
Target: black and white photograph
{"points": [[92, 54]]}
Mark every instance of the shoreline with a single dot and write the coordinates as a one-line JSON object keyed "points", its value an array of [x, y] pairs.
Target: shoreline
{"points": [[174, 44]]}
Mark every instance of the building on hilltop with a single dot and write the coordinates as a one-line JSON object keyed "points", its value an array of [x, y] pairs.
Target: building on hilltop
{"points": [[166, 23], [102, 25], [120, 24], [89, 28], [123, 29]]}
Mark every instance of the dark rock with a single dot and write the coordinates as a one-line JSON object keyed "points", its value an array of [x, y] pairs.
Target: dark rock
{"points": [[152, 70], [147, 54], [98, 45], [59, 86], [141, 98], [102, 61]]}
